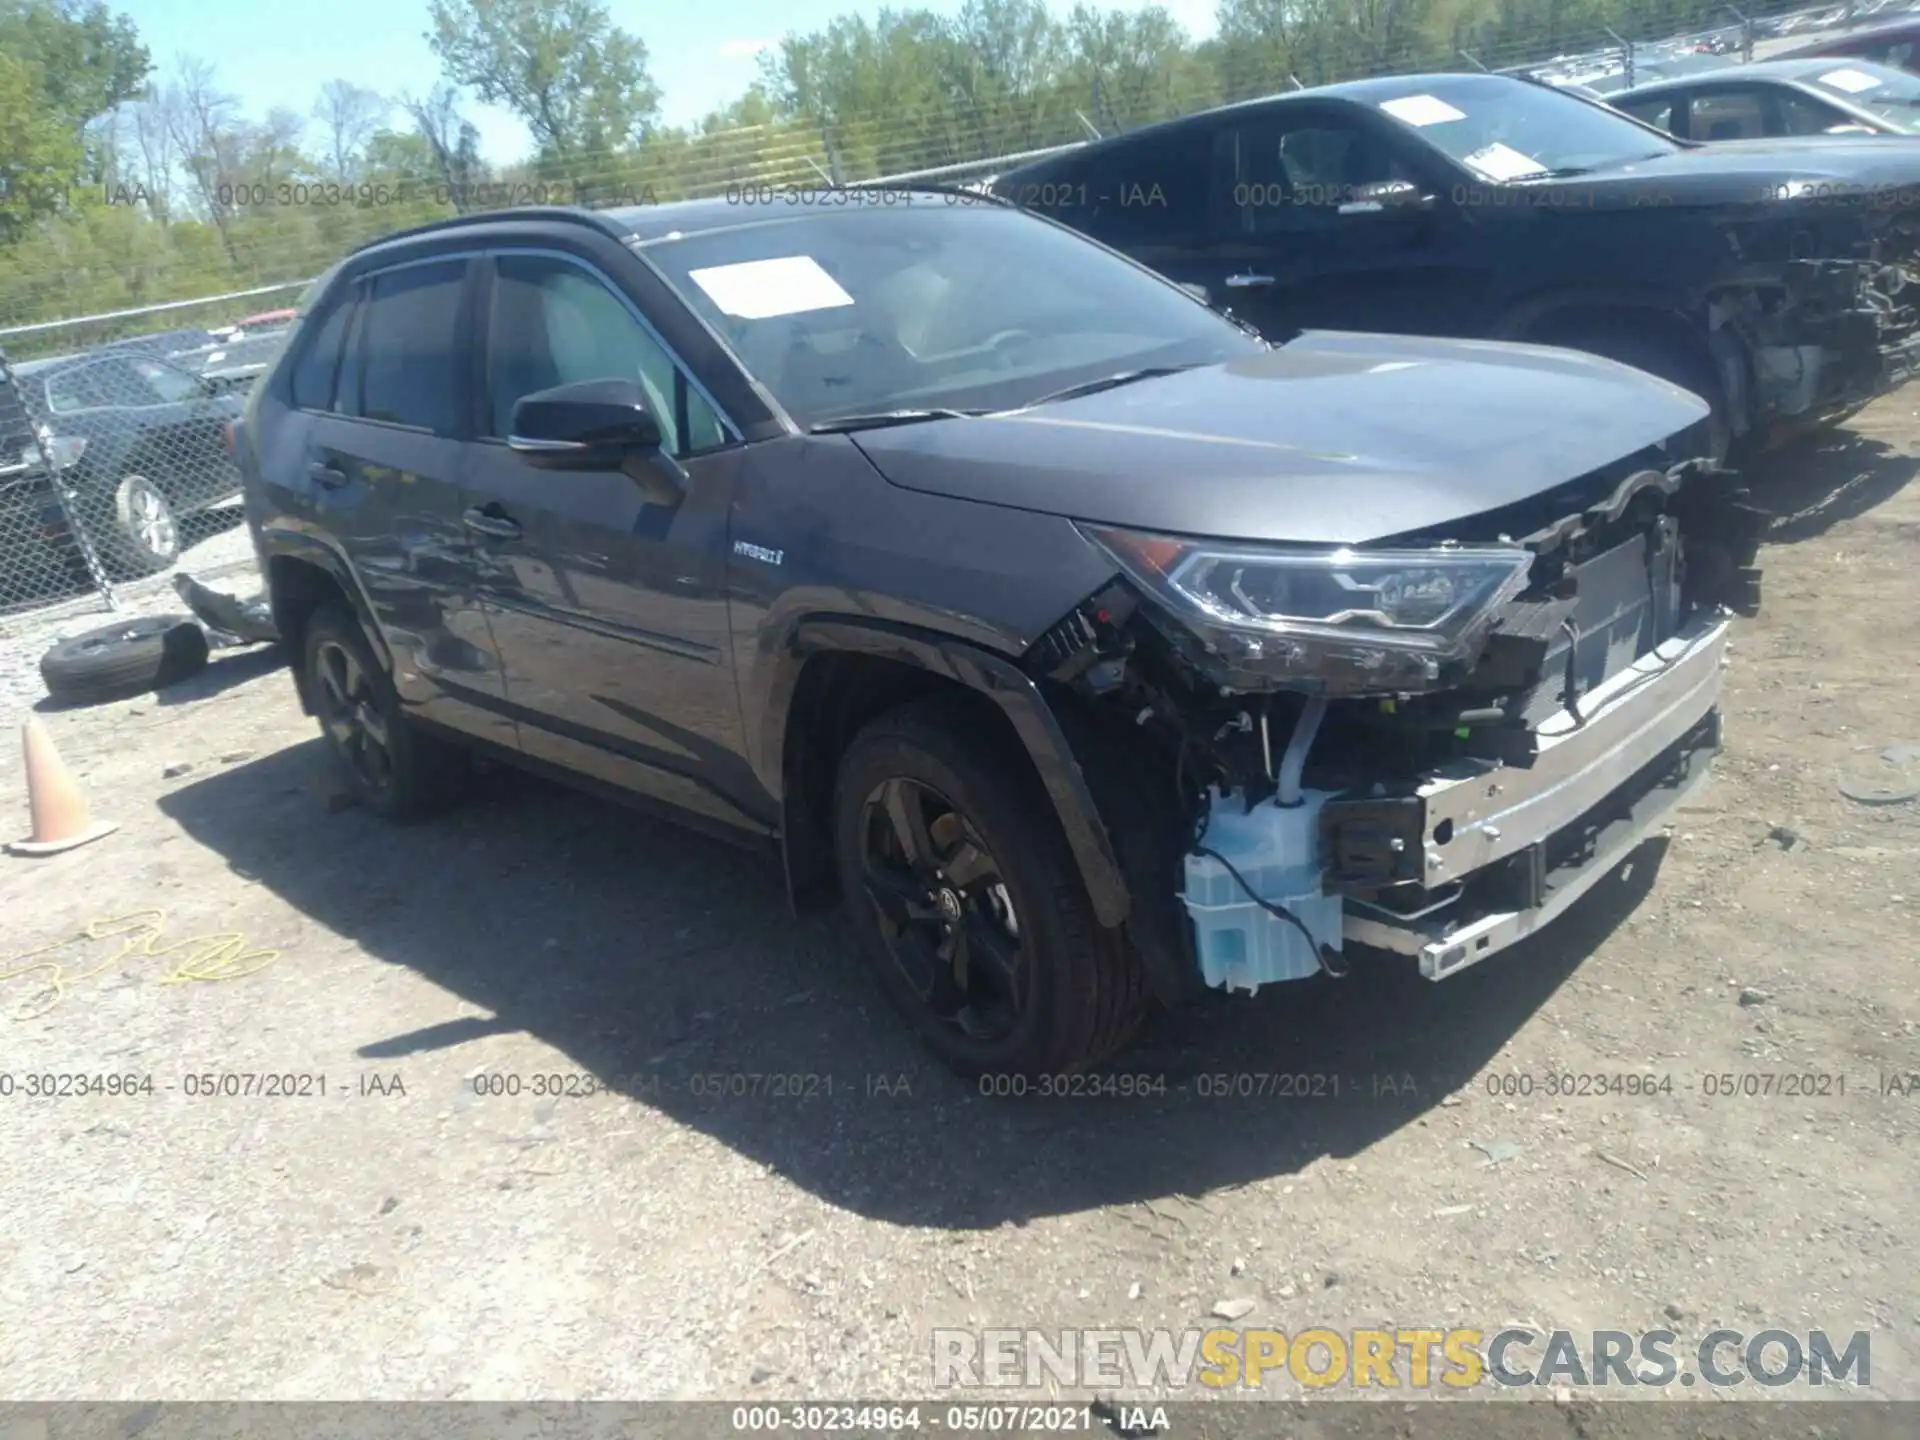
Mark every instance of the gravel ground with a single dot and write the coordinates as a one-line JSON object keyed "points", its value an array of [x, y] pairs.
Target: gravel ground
{"points": [[223, 558], [403, 1237]]}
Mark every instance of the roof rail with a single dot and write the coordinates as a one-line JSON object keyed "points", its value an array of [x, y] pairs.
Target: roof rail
{"points": [[518, 212]]}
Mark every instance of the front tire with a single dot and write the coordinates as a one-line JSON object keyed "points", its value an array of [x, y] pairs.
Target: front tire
{"points": [[384, 762], [970, 907], [1665, 359]]}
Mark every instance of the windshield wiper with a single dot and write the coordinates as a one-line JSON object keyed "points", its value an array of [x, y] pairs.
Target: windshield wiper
{"points": [[1245, 326], [881, 418], [1107, 382]]}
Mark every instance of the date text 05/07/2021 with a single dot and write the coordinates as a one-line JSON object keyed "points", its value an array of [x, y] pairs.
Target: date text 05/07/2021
{"points": [[870, 1419], [202, 1085]]}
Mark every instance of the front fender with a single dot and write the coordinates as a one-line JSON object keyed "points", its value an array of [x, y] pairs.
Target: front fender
{"points": [[991, 675], [1527, 315]]}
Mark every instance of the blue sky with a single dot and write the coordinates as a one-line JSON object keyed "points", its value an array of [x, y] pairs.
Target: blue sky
{"points": [[702, 55]]}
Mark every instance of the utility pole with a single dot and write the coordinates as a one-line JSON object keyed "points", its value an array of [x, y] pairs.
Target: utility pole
{"points": [[1626, 53], [1746, 35]]}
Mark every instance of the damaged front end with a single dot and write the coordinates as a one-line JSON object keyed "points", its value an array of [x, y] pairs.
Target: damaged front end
{"points": [[1802, 342], [1431, 746]]}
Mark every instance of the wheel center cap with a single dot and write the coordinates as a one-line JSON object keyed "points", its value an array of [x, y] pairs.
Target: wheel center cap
{"points": [[949, 902]]}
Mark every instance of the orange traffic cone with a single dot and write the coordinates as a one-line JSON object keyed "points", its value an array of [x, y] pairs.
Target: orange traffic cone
{"points": [[60, 818]]}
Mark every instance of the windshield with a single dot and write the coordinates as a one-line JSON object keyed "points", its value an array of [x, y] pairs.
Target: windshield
{"points": [[1893, 95], [933, 302], [1505, 129]]}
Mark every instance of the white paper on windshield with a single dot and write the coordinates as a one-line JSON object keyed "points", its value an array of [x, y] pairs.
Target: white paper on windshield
{"points": [[1421, 110], [1503, 162], [762, 289], [1851, 81]]}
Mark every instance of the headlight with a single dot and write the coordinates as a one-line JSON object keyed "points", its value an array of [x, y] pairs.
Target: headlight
{"points": [[1397, 615], [61, 450]]}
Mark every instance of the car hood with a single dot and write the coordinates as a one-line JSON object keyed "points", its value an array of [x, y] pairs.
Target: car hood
{"points": [[1330, 439], [1750, 172]]}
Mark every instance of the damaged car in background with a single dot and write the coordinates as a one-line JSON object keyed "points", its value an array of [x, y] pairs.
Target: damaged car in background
{"points": [[1770, 278], [1089, 647]]}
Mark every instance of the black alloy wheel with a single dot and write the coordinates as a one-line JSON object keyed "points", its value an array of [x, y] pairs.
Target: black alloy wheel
{"points": [[945, 913], [969, 904], [350, 715], [388, 763]]}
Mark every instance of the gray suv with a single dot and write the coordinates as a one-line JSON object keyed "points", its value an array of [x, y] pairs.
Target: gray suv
{"points": [[1093, 649]]}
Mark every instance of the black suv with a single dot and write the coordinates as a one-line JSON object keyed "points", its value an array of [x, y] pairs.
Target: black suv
{"points": [[1768, 278], [1092, 647]]}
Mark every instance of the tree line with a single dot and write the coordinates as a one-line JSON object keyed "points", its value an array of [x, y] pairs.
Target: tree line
{"points": [[122, 187]]}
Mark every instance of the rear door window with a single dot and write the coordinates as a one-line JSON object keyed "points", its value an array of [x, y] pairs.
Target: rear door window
{"points": [[412, 377]]}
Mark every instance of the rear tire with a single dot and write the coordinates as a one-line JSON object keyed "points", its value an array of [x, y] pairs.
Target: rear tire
{"points": [[1039, 986], [385, 762]]}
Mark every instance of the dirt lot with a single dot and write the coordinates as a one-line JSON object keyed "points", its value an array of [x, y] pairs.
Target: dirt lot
{"points": [[403, 1237]]}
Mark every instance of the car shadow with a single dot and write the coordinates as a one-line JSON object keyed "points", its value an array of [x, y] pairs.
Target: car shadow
{"points": [[669, 966], [226, 669], [1818, 481]]}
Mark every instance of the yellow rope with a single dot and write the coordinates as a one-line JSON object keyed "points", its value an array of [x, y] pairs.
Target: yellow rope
{"points": [[224, 956]]}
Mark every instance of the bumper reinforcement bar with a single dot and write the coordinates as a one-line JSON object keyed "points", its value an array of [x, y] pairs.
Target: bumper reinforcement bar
{"points": [[1596, 790]]}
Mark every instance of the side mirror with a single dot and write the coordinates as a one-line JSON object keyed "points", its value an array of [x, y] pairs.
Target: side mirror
{"points": [[1389, 197], [586, 426], [594, 425]]}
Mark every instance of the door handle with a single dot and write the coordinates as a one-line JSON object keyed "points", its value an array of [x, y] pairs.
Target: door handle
{"points": [[1247, 282], [330, 477], [485, 521]]}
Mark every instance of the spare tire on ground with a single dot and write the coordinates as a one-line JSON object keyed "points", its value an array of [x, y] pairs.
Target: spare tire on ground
{"points": [[125, 658]]}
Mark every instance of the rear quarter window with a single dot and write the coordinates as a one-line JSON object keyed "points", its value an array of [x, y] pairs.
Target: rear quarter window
{"points": [[312, 383], [1657, 112]]}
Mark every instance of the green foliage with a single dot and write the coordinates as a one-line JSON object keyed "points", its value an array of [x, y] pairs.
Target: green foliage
{"points": [[578, 81], [86, 60], [40, 155]]}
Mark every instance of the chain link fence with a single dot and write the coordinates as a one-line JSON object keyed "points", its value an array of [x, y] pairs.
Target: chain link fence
{"points": [[116, 444]]}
